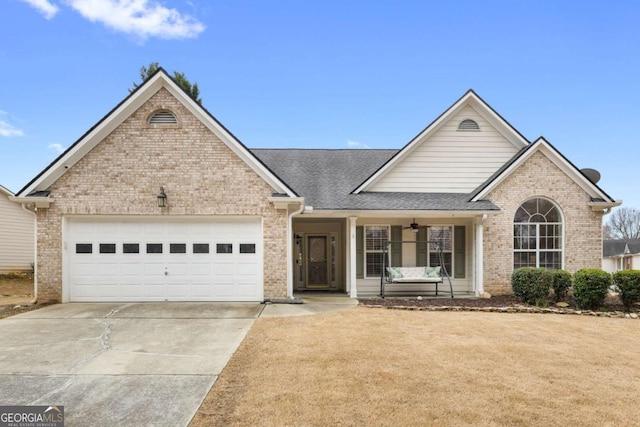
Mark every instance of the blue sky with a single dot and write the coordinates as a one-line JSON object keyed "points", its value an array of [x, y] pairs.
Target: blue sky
{"points": [[329, 74]]}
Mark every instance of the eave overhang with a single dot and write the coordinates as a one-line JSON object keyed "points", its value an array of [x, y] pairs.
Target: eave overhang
{"points": [[37, 202]]}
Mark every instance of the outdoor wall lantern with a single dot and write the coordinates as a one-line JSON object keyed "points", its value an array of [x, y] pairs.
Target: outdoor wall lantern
{"points": [[162, 198]]}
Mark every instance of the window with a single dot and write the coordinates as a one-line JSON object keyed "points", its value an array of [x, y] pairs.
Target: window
{"points": [[537, 235], [130, 248], [224, 248], [247, 248], [376, 237], [200, 248], [468, 124], [154, 248], [107, 248], [177, 248], [163, 117], [84, 248], [440, 237]]}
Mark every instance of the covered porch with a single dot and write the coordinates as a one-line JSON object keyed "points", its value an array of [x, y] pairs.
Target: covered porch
{"points": [[346, 252]]}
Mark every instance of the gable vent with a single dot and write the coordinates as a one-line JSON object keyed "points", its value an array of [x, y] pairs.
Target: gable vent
{"points": [[468, 124], [163, 117]]}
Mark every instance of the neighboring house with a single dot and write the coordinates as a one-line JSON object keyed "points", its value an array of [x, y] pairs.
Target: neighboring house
{"points": [[17, 235], [621, 254], [159, 201]]}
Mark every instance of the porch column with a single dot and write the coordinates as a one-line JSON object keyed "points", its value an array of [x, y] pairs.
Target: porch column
{"points": [[351, 264], [480, 255]]}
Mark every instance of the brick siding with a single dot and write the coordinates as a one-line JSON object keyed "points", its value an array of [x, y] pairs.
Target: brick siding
{"points": [[539, 177], [122, 176]]}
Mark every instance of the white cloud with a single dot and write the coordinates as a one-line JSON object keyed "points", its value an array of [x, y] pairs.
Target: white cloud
{"points": [[57, 147], [6, 128], [356, 144], [45, 7], [142, 18]]}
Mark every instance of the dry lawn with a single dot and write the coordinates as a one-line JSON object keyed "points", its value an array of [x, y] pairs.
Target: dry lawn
{"points": [[389, 367], [16, 288]]}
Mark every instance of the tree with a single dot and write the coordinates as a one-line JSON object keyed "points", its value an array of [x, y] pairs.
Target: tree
{"points": [[181, 80], [624, 223]]}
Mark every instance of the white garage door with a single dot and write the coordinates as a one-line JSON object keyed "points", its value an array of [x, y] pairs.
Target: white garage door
{"points": [[160, 260]]}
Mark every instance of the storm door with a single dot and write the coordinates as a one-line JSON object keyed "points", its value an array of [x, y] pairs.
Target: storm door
{"points": [[317, 261]]}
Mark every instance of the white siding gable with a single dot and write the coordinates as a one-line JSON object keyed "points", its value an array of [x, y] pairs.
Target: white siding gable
{"points": [[450, 160], [17, 250]]}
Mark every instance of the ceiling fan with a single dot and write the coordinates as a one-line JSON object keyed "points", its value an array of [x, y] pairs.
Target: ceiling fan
{"points": [[414, 226]]}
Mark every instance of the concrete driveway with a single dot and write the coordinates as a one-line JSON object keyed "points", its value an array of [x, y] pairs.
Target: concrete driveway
{"points": [[120, 364]]}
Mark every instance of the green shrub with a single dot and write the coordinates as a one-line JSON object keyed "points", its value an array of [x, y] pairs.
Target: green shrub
{"points": [[627, 284], [531, 285], [561, 283], [590, 288]]}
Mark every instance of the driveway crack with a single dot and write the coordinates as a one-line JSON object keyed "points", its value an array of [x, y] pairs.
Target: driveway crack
{"points": [[105, 344], [62, 387], [104, 337]]}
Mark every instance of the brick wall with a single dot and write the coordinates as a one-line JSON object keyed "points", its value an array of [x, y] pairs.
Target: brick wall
{"points": [[122, 176], [539, 177]]}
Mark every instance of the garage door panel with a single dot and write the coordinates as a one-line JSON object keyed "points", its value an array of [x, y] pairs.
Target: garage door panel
{"points": [[196, 260], [246, 269], [107, 291], [200, 269], [131, 290], [245, 290], [224, 290]]}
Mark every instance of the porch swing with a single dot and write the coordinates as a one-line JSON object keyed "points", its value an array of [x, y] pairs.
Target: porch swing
{"points": [[426, 275]]}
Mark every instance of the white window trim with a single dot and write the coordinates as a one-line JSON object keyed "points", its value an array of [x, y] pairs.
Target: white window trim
{"points": [[562, 234], [452, 251], [365, 251]]}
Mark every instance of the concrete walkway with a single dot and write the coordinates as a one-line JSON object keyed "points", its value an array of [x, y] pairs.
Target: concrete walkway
{"points": [[135, 364], [312, 304]]}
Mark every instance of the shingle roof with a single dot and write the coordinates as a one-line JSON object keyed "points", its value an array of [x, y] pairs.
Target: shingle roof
{"points": [[325, 178], [617, 246]]}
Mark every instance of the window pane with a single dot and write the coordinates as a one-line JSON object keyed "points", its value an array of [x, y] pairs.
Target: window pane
{"points": [[434, 260], [130, 248], [177, 248], [247, 248], [525, 235], [551, 260], [440, 236], [84, 248], [154, 248], [524, 259], [200, 248], [376, 237], [224, 248], [521, 215], [374, 264], [107, 248]]}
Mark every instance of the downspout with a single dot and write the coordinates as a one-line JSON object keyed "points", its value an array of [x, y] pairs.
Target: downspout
{"points": [[290, 249], [480, 255], [34, 211]]}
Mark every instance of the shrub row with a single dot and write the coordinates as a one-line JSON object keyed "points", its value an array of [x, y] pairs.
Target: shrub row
{"points": [[590, 286]]}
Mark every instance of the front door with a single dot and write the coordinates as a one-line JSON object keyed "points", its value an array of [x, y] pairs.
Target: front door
{"points": [[317, 262]]}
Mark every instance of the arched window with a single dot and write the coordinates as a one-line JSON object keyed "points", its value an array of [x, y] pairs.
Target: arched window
{"points": [[468, 124], [537, 235]]}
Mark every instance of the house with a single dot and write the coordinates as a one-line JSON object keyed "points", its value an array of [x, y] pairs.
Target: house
{"points": [[17, 235], [620, 254], [160, 202]]}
